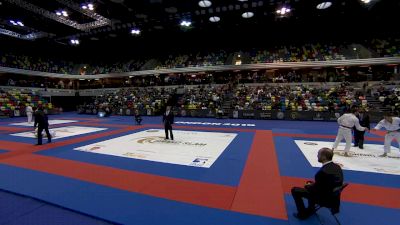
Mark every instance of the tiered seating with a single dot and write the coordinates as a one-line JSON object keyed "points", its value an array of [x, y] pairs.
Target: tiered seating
{"points": [[5, 104], [308, 52], [276, 54], [386, 48], [299, 98], [17, 100]]}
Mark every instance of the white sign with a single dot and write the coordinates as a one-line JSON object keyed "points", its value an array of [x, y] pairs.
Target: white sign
{"points": [[62, 132], [190, 148], [51, 122], [366, 160], [218, 124]]}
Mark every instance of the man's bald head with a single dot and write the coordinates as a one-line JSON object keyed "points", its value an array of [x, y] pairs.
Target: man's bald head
{"points": [[325, 155]]}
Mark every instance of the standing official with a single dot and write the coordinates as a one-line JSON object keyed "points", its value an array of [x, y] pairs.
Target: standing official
{"points": [[168, 120], [29, 112], [363, 117], [41, 121], [392, 126], [346, 123]]}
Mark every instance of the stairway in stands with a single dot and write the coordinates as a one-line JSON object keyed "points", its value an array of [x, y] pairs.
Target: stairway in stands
{"points": [[227, 104], [376, 104]]}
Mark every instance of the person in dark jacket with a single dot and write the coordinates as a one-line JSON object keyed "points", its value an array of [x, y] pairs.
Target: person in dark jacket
{"points": [[42, 123], [363, 117], [327, 179], [138, 117], [168, 120]]}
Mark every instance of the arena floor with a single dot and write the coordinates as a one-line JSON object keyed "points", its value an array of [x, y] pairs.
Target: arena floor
{"points": [[215, 172]]}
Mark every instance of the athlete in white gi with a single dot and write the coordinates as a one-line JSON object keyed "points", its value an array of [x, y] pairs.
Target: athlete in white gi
{"points": [[29, 112], [346, 123], [392, 126]]}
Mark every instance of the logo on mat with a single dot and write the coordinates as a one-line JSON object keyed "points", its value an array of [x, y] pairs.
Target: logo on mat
{"points": [[198, 162], [159, 139], [310, 143], [152, 131]]}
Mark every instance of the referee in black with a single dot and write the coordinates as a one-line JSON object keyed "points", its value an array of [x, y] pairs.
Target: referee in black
{"points": [[168, 120], [41, 121]]}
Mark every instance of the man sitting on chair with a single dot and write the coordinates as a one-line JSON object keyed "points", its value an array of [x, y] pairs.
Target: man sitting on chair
{"points": [[327, 179]]}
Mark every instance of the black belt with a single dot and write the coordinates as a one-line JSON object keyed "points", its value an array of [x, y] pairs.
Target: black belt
{"points": [[346, 127]]}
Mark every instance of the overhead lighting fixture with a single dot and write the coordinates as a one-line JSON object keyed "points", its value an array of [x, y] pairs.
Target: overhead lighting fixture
{"points": [[88, 6], [185, 23], [17, 23], [247, 15], [62, 13], [283, 11], [215, 19], [205, 4], [324, 5], [366, 1], [74, 41], [135, 31], [242, 0]]}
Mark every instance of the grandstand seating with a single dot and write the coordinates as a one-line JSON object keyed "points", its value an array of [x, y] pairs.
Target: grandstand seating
{"points": [[18, 100], [290, 53]]}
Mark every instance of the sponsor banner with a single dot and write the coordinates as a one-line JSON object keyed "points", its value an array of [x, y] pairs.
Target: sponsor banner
{"points": [[51, 122], [318, 116], [249, 114], [280, 115], [217, 124], [235, 114], [266, 115], [365, 160], [243, 114], [190, 148], [61, 132]]}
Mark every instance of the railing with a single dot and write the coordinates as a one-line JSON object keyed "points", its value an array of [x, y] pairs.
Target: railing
{"points": [[280, 65], [238, 114]]}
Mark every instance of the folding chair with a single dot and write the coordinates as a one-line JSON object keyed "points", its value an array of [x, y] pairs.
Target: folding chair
{"points": [[333, 204]]}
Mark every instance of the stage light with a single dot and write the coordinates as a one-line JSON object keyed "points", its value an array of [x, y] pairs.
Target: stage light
{"points": [[74, 41], [185, 23], [283, 11], [16, 23], [88, 6], [366, 1], [135, 31], [324, 5], [247, 15], [62, 13], [205, 3], [215, 19]]}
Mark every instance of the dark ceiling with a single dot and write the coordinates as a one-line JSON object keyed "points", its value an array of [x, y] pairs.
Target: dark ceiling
{"points": [[159, 21]]}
